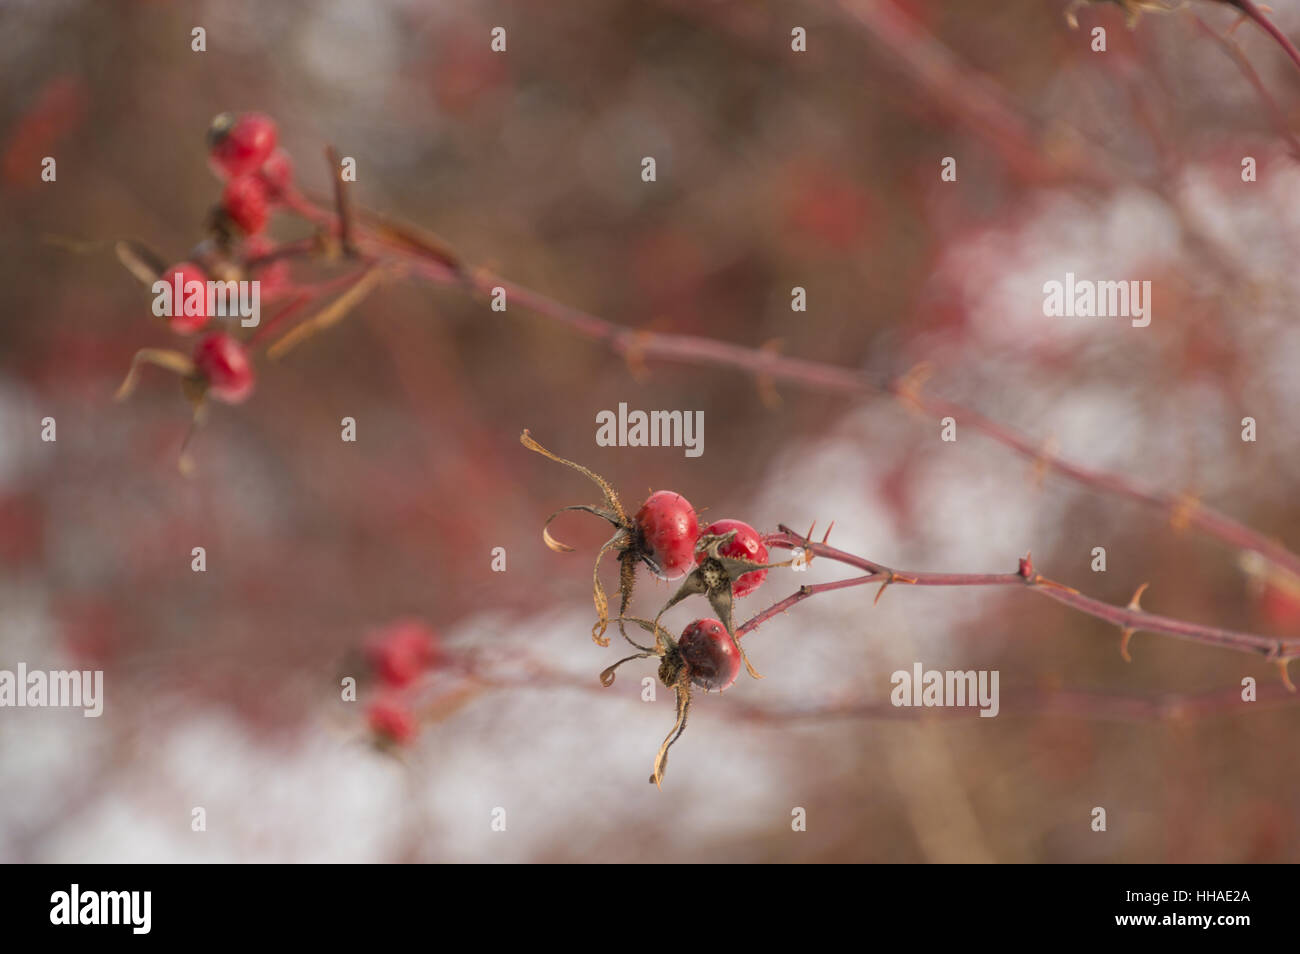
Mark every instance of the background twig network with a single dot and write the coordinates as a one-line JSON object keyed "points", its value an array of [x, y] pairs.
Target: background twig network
{"points": [[776, 169]]}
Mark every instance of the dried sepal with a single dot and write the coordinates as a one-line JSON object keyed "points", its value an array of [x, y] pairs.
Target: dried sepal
{"points": [[140, 260], [330, 315], [683, 688], [164, 358], [553, 544], [556, 545], [624, 540], [611, 498], [626, 585], [598, 590], [607, 674], [1133, 9]]}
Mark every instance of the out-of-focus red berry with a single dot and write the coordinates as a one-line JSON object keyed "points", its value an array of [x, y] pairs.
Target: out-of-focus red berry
{"points": [[245, 202], [401, 652], [277, 172], [223, 363], [392, 720], [1281, 607], [239, 145], [178, 320]]}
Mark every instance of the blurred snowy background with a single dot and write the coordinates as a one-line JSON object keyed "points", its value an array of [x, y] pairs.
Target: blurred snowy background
{"points": [[775, 169]]}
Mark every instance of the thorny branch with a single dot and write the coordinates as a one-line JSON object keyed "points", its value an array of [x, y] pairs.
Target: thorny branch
{"points": [[1129, 619]]}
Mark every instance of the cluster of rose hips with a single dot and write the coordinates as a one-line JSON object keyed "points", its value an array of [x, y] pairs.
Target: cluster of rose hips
{"points": [[722, 561], [398, 655], [257, 176]]}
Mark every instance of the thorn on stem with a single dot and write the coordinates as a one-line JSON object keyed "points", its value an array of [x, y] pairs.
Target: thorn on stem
{"points": [[1282, 665], [1043, 462], [893, 578], [634, 356], [908, 387], [1180, 516], [1126, 633]]}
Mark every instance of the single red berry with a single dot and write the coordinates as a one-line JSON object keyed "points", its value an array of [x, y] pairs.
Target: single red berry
{"points": [[244, 200], [711, 656], [747, 544], [277, 172], [239, 145], [392, 720], [178, 320], [223, 363], [401, 652], [669, 529]]}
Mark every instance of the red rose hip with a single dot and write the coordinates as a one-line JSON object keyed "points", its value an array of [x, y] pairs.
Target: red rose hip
{"points": [[711, 657], [669, 530], [277, 172], [239, 145], [401, 652], [183, 274], [747, 544], [244, 201], [391, 720], [223, 364]]}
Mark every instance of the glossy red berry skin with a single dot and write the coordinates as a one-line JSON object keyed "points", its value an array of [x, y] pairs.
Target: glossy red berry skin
{"points": [[712, 659], [245, 202], [178, 321], [277, 172], [747, 544], [239, 145], [391, 720], [223, 363], [669, 529], [401, 652]]}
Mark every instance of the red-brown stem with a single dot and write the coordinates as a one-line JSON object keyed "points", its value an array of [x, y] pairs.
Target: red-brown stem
{"points": [[1068, 703], [1275, 113], [1123, 617], [971, 100], [1248, 8]]}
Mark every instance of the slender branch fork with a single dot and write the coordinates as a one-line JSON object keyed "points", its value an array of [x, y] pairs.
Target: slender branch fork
{"points": [[1129, 619]]}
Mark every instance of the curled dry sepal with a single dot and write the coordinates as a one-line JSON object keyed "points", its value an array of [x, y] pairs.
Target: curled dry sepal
{"points": [[726, 560]]}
